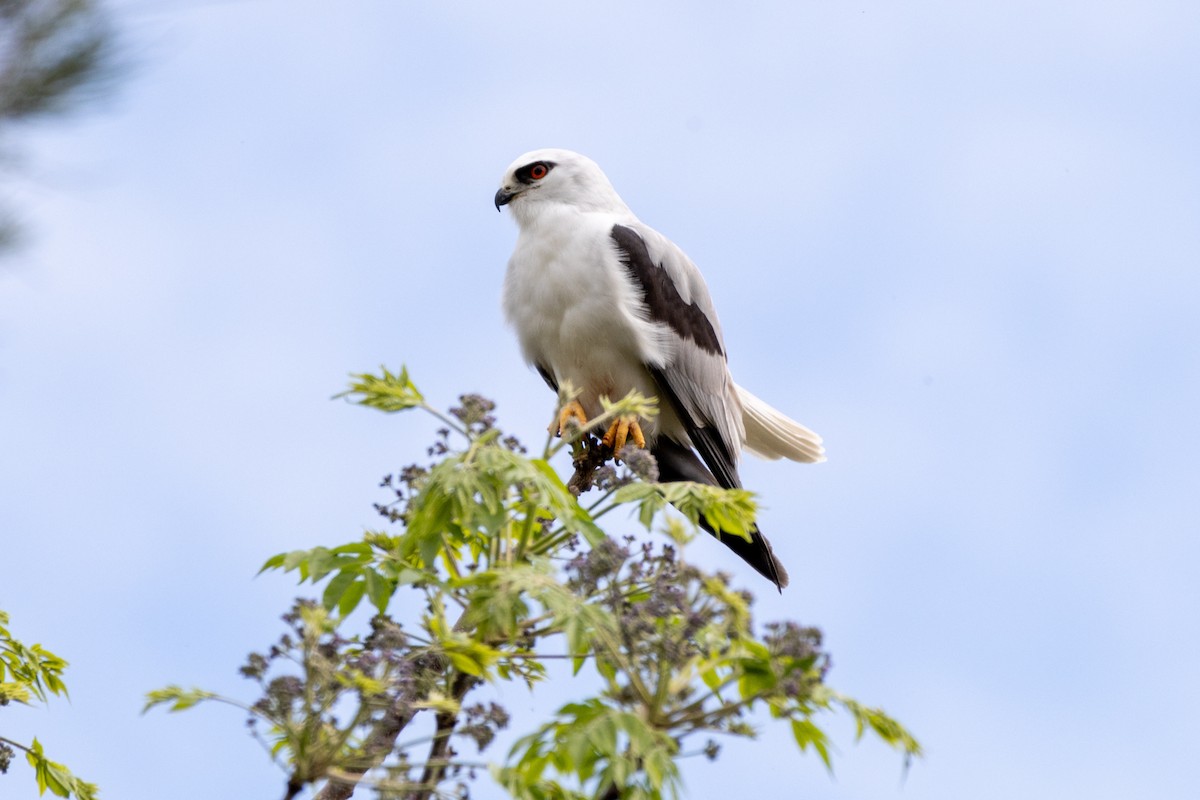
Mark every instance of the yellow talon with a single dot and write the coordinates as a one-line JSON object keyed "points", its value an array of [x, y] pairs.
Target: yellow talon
{"points": [[622, 430], [571, 410]]}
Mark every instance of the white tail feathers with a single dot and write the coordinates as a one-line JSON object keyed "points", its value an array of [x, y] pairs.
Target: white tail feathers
{"points": [[770, 434]]}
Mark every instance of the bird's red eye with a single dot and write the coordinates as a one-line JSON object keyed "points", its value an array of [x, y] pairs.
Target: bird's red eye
{"points": [[538, 172]]}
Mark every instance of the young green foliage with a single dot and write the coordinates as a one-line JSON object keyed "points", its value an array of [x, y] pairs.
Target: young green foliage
{"points": [[503, 569], [28, 673]]}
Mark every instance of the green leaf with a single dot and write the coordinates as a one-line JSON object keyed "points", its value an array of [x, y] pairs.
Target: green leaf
{"points": [[351, 598], [319, 564], [14, 691], [353, 548], [386, 392], [886, 728], [294, 559], [807, 734], [56, 777], [635, 492], [755, 682], [274, 562], [379, 589], [463, 663], [337, 588], [179, 698]]}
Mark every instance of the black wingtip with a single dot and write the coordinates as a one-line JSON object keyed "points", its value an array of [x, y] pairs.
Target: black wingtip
{"points": [[679, 463], [757, 553]]}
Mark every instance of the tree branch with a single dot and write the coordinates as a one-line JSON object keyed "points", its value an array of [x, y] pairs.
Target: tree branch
{"points": [[590, 456], [439, 751], [382, 739]]}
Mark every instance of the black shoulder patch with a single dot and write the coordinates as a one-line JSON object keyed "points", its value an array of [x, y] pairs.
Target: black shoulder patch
{"points": [[662, 298]]}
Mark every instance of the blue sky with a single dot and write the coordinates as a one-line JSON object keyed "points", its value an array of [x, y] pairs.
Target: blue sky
{"points": [[961, 241]]}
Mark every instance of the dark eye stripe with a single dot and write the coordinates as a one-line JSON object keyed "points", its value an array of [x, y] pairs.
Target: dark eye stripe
{"points": [[525, 173]]}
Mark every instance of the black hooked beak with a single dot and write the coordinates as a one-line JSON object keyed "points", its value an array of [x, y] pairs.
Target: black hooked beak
{"points": [[503, 196]]}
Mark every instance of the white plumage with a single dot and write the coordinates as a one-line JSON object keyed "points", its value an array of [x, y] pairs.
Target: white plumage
{"points": [[603, 301]]}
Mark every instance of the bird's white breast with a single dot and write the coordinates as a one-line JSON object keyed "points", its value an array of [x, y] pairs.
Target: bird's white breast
{"points": [[575, 310]]}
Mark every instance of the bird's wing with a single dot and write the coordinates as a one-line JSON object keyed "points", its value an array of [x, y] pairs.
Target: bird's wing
{"points": [[691, 370]]}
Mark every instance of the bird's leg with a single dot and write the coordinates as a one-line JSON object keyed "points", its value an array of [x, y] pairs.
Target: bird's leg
{"points": [[621, 430], [570, 411]]}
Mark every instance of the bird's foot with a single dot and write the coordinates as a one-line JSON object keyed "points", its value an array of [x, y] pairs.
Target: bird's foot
{"points": [[571, 411], [623, 429]]}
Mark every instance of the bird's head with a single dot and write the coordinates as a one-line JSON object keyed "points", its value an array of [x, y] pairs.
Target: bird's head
{"points": [[542, 178]]}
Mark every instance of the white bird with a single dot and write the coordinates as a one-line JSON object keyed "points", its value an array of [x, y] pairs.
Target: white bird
{"points": [[602, 300]]}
